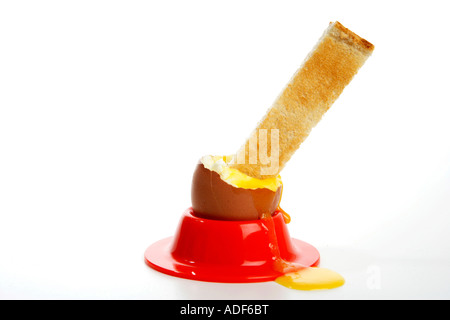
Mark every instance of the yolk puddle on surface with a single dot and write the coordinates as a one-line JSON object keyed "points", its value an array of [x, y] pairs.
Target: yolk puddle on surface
{"points": [[311, 278], [296, 276]]}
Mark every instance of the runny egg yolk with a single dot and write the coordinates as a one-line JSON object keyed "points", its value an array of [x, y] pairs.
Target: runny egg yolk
{"points": [[234, 177]]}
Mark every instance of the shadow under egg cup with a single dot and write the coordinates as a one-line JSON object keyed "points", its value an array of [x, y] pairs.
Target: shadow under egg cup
{"points": [[228, 251]]}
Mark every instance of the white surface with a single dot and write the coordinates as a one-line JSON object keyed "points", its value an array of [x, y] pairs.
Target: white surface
{"points": [[105, 106]]}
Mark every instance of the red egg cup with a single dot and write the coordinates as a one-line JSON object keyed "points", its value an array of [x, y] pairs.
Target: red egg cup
{"points": [[227, 251]]}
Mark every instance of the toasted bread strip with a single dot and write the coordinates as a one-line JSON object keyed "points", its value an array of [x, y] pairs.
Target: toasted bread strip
{"points": [[328, 68]]}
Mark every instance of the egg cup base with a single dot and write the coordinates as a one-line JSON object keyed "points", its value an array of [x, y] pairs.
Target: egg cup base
{"points": [[227, 251]]}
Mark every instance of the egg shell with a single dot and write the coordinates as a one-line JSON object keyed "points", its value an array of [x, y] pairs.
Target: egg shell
{"points": [[213, 198]]}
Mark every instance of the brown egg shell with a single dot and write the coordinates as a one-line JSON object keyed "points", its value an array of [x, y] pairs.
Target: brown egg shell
{"points": [[213, 198]]}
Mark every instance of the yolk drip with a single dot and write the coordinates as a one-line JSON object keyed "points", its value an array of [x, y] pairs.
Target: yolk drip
{"points": [[286, 216], [279, 264]]}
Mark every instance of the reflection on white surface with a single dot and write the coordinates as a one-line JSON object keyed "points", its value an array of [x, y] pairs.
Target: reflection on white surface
{"points": [[128, 277]]}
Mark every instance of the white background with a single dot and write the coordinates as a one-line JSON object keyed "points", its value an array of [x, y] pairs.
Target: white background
{"points": [[105, 107]]}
